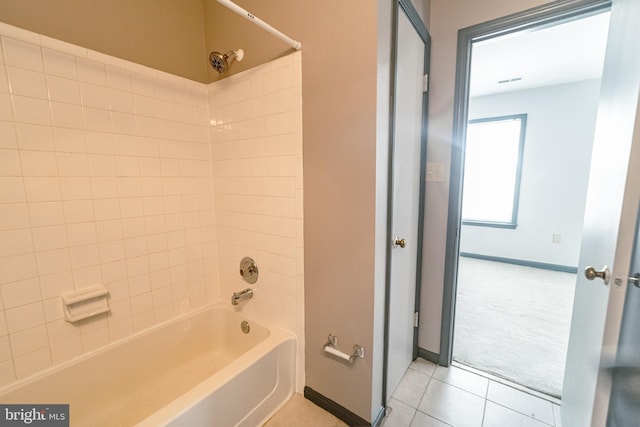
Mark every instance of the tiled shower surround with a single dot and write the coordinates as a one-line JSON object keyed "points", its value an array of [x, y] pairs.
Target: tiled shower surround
{"points": [[150, 184]]}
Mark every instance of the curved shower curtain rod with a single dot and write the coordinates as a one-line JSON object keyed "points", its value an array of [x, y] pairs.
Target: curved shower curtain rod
{"points": [[260, 23]]}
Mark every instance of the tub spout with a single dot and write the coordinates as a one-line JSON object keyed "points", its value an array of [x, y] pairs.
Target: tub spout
{"points": [[241, 296]]}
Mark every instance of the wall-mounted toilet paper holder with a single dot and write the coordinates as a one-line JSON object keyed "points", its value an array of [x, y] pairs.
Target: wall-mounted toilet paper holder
{"points": [[331, 347]]}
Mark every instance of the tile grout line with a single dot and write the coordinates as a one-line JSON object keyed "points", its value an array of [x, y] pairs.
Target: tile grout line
{"points": [[551, 399], [486, 398]]}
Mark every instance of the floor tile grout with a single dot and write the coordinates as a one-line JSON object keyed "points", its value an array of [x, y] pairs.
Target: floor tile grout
{"points": [[551, 399], [483, 415]]}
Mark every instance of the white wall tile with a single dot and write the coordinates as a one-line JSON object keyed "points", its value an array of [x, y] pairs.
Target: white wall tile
{"points": [[76, 211], [10, 163], [256, 171], [14, 216], [33, 362], [94, 96], [22, 54], [42, 189], [111, 251], [63, 351], [7, 372], [5, 349], [48, 238], [102, 165], [125, 145], [91, 72], [119, 78], [84, 256], [142, 85], [69, 140], [53, 261], [20, 293], [53, 285], [29, 340], [33, 137], [99, 143], [44, 213], [12, 190], [82, 233], [24, 317], [63, 90], [8, 137], [62, 47], [31, 110], [95, 339], [59, 64], [97, 120], [85, 197], [120, 329], [6, 111], [121, 101], [84, 277], [39, 163], [109, 230], [27, 83], [66, 115], [132, 227]]}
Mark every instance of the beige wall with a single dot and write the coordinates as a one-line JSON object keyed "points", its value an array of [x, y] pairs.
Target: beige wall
{"points": [[423, 7], [163, 34], [447, 17], [339, 123]]}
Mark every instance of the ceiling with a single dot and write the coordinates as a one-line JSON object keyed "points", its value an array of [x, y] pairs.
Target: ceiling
{"points": [[563, 53]]}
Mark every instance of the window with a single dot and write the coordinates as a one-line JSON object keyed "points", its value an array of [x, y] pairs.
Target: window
{"points": [[492, 169]]}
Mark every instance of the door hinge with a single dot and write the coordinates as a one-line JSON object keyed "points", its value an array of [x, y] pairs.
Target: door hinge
{"points": [[425, 83], [416, 317]]}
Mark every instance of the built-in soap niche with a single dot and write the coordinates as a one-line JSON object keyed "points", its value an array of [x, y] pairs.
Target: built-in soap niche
{"points": [[85, 303]]}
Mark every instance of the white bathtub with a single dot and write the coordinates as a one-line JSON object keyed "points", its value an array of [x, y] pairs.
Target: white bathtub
{"points": [[197, 370]]}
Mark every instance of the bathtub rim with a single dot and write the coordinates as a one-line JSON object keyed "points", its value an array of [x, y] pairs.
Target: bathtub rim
{"points": [[274, 331], [202, 390]]}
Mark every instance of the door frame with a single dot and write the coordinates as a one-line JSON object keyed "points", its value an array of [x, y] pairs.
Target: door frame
{"points": [[404, 6], [543, 15]]}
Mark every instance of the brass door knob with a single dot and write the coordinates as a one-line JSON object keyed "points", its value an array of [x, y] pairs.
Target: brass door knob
{"points": [[399, 242], [591, 274]]}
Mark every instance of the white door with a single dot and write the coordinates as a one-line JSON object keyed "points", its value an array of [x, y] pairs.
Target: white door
{"points": [[406, 198], [611, 211], [624, 409]]}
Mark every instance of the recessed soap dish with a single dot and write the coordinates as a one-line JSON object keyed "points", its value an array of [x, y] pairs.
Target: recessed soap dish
{"points": [[85, 303]]}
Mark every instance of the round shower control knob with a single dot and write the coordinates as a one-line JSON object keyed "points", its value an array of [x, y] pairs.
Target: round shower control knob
{"points": [[249, 270]]}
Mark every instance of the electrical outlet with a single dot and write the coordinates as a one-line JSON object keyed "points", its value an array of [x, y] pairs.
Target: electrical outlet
{"points": [[557, 238], [435, 171]]}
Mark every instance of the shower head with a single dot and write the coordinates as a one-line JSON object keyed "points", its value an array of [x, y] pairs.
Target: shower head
{"points": [[220, 62]]}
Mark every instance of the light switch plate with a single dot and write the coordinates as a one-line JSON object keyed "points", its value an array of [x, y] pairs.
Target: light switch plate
{"points": [[435, 171]]}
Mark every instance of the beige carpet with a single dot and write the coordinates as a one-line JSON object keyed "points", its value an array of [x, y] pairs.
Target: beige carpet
{"points": [[513, 321]]}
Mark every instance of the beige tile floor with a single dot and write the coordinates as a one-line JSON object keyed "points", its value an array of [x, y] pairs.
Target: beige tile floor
{"points": [[433, 396], [300, 412]]}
